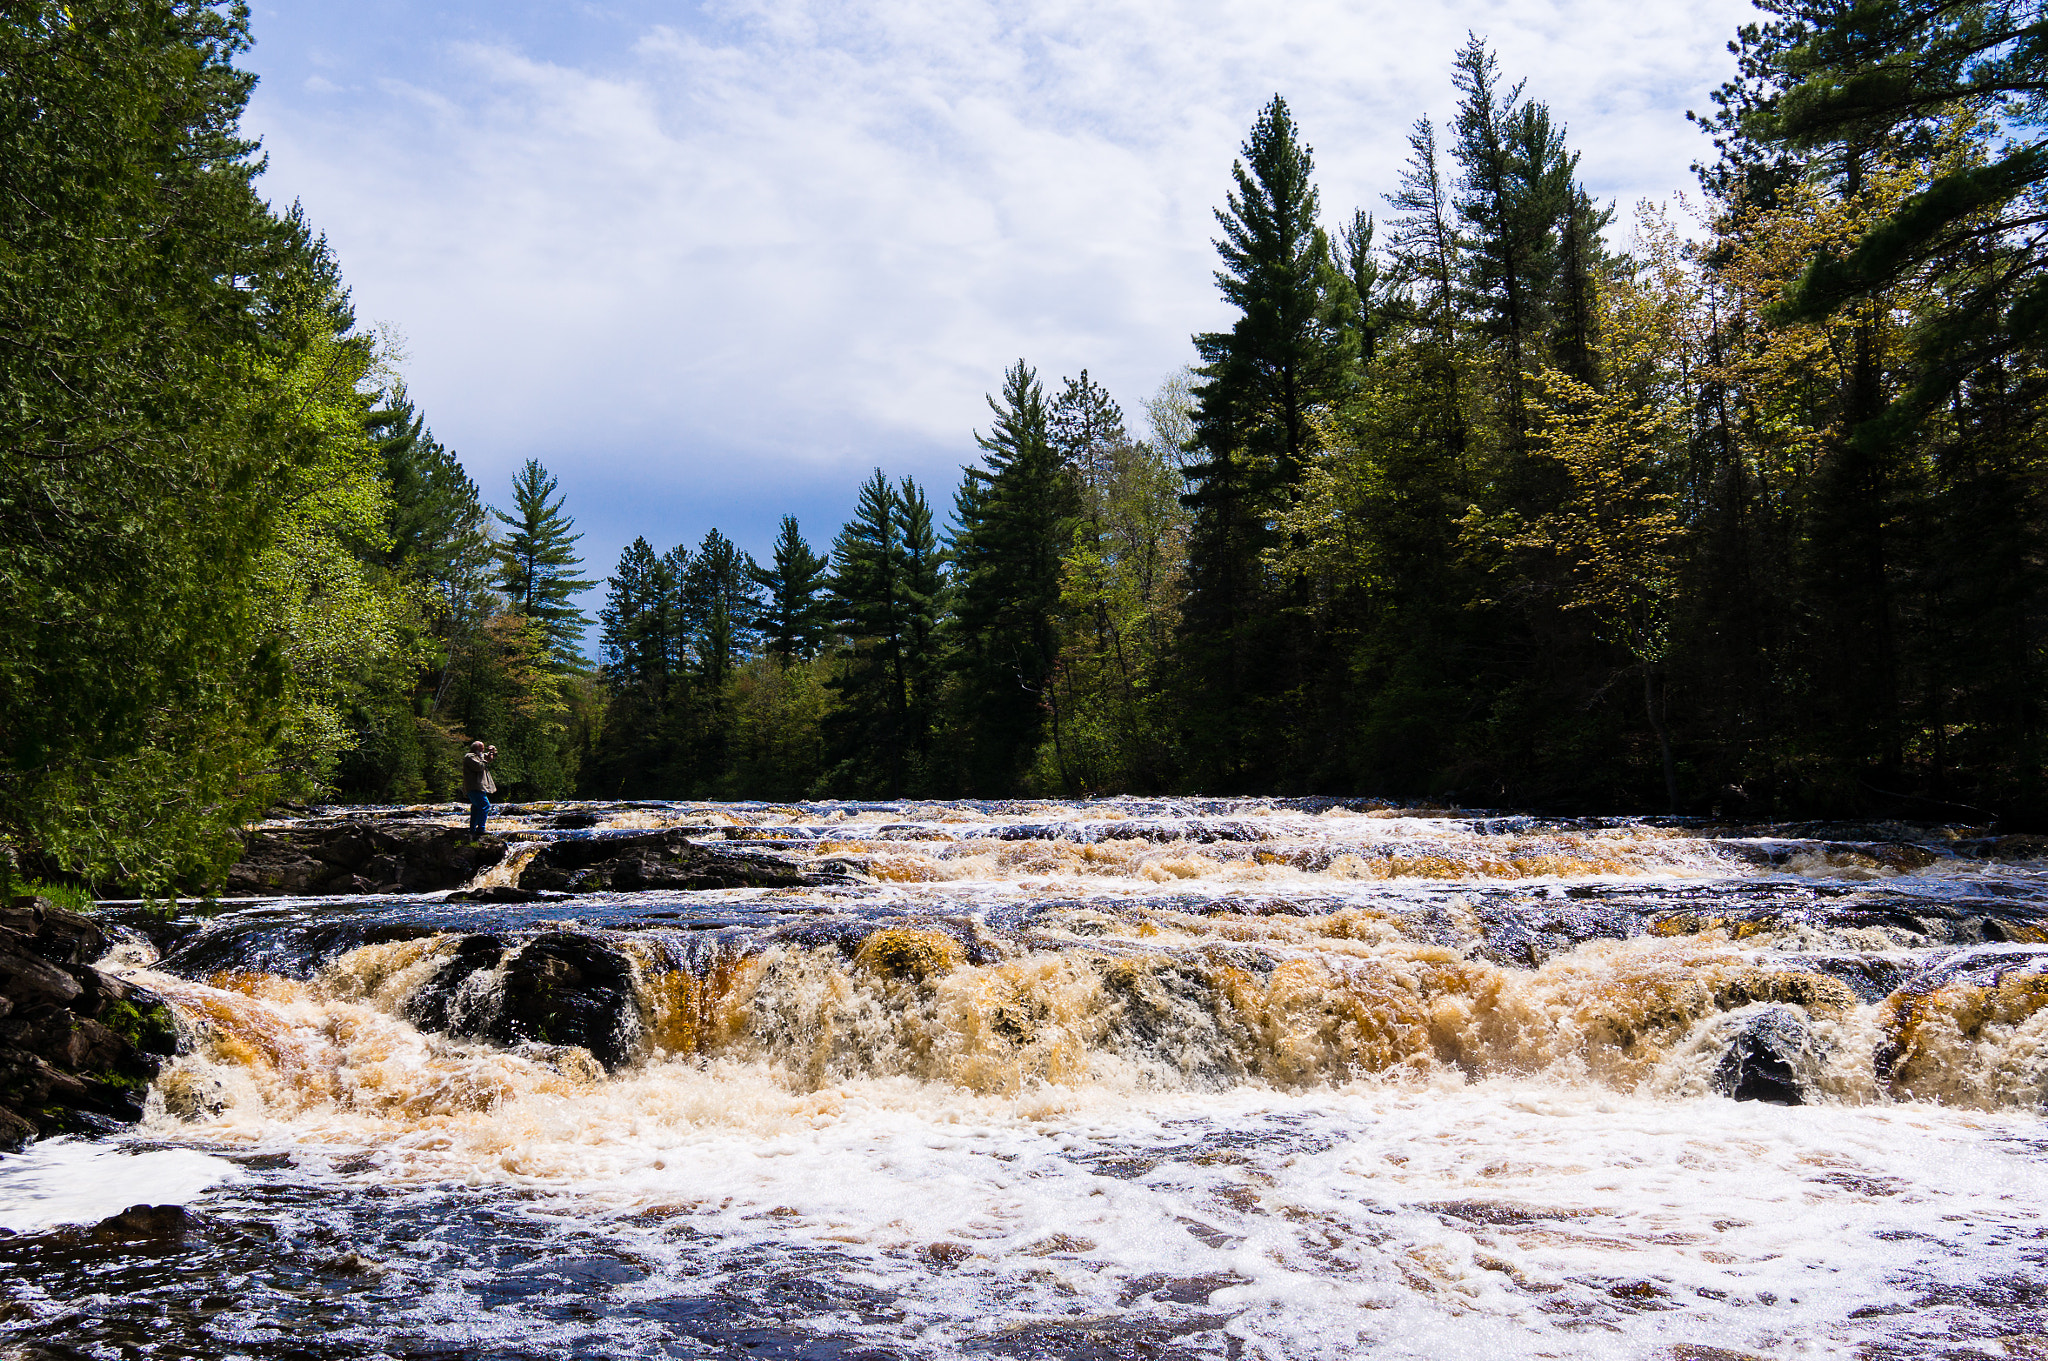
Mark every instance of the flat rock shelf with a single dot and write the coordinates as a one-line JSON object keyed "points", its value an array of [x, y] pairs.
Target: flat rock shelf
{"points": [[1123, 1078]]}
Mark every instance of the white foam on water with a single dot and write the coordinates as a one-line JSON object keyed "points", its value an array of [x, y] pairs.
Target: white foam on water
{"points": [[72, 1181], [1499, 1219]]}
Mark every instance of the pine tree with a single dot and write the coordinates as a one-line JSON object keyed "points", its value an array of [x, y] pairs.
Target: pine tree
{"points": [[1013, 519], [1279, 360], [1284, 358], [637, 651], [538, 562], [1503, 198], [796, 616], [721, 606], [869, 735], [1890, 72], [924, 589], [1428, 252], [1532, 257], [1119, 586], [637, 624], [1085, 426], [1357, 294], [1581, 260], [439, 530], [676, 565]]}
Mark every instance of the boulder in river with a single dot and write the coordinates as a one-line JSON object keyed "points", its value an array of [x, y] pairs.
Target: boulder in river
{"points": [[1773, 1058], [77, 1047], [359, 856], [567, 988], [559, 988]]}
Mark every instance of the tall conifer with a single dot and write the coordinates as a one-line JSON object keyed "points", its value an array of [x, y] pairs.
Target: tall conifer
{"points": [[795, 616], [1283, 358], [924, 590], [721, 606], [538, 561], [1014, 517], [869, 732]]}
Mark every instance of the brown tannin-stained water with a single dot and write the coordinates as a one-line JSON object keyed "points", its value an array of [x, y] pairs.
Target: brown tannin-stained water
{"points": [[1129, 1078]]}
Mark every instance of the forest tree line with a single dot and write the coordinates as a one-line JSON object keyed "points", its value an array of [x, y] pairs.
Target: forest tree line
{"points": [[1490, 493]]}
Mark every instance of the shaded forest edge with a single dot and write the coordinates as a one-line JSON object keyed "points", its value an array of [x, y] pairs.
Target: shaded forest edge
{"points": [[1494, 494]]}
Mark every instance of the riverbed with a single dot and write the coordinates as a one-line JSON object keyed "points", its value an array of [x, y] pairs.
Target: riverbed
{"points": [[1124, 1078]]}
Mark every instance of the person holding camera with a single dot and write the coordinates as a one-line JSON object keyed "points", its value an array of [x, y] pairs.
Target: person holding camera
{"points": [[478, 784]]}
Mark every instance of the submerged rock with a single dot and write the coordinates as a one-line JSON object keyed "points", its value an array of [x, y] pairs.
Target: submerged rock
{"points": [[1773, 1058], [359, 856], [146, 1223], [2018, 847], [77, 1047], [1908, 921], [1871, 976], [1938, 1022], [1985, 966], [907, 952], [504, 893], [1520, 935], [1851, 858]]}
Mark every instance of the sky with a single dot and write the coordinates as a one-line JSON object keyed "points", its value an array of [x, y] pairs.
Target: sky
{"points": [[713, 263]]}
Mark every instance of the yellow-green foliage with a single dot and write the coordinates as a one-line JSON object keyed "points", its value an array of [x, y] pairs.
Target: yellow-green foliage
{"points": [[1614, 543], [339, 622]]}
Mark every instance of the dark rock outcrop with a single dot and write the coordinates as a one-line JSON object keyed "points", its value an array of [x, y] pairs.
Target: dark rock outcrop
{"points": [[558, 988], [2019, 847], [77, 1047], [567, 988], [359, 857], [1773, 1058], [369, 856], [666, 858], [448, 1002]]}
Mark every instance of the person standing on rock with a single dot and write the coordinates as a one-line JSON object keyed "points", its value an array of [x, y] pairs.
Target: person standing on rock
{"points": [[478, 784]]}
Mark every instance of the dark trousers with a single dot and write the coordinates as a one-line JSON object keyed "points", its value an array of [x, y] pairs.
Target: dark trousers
{"points": [[479, 809]]}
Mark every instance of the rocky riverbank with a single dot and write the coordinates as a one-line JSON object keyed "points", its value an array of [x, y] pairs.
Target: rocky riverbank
{"points": [[366, 854], [78, 1048]]}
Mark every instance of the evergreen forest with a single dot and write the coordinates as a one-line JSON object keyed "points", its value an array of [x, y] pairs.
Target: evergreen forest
{"points": [[1492, 493]]}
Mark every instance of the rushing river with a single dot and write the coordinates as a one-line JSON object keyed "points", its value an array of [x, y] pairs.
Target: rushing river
{"points": [[1119, 1079]]}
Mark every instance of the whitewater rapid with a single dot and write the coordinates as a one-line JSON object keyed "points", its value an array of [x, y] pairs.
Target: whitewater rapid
{"points": [[1126, 1078]]}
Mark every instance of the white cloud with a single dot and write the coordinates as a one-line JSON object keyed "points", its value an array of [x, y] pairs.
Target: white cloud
{"points": [[788, 240]]}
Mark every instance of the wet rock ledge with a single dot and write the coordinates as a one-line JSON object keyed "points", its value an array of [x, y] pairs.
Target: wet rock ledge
{"points": [[77, 1048], [359, 857], [352, 856]]}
